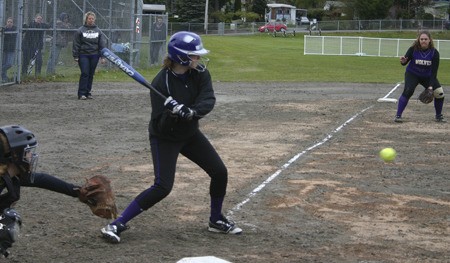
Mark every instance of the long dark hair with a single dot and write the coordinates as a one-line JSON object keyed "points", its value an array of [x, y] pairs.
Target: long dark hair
{"points": [[167, 63]]}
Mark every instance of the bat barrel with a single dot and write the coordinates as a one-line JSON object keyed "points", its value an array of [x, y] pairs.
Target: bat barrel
{"points": [[129, 70]]}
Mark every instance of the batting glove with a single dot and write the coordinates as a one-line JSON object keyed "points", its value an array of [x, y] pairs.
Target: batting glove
{"points": [[185, 112], [171, 105]]}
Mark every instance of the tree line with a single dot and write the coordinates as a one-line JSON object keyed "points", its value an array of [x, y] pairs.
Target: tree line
{"points": [[254, 10]]}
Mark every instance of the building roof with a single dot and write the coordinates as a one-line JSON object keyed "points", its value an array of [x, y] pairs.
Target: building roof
{"points": [[281, 5], [150, 7]]}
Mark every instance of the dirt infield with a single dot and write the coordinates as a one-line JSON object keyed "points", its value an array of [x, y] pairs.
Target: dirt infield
{"points": [[306, 183]]}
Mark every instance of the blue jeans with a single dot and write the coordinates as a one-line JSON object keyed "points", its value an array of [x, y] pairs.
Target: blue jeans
{"points": [[7, 63], [87, 64]]}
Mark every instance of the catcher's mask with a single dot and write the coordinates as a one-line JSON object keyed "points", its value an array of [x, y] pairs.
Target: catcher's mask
{"points": [[18, 145], [183, 45]]}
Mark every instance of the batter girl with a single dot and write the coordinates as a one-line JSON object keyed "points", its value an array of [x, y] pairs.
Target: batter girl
{"points": [[174, 129]]}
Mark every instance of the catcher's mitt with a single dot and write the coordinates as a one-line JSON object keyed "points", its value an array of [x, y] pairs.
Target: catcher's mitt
{"points": [[426, 96], [97, 194]]}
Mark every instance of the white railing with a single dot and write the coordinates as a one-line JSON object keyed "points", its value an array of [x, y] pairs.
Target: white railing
{"points": [[365, 46]]}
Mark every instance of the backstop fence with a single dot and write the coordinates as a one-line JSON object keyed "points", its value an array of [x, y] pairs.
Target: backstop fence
{"points": [[31, 50]]}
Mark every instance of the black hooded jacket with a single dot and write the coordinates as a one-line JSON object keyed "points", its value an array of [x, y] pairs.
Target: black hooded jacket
{"points": [[88, 40]]}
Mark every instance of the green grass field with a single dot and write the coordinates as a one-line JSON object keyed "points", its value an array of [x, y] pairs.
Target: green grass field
{"points": [[262, 57]]}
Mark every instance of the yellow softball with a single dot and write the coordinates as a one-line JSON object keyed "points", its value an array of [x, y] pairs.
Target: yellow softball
{"points": [[388, 154]]}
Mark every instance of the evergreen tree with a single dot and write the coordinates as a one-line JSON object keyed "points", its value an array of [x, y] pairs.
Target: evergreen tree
{"points": [[218, 4], [237, 5], [191, 11], [306, 3], [369, 9], [259, 7]]}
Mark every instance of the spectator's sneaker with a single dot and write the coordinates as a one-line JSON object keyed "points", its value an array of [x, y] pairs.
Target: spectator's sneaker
{"points": [[112, 232], [440, 118], [225, 226], [89, 97], [398, 119], [82, 97]]}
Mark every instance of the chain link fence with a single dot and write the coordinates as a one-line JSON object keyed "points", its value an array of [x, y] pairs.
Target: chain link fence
{"points": [[39, 42]]}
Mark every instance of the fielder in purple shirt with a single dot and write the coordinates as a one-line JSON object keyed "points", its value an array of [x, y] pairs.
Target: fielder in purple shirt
{"points": [[423, 64]]}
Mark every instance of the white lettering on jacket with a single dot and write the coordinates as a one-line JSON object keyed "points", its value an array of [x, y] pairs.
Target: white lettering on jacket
{"points": [[90, 34]]}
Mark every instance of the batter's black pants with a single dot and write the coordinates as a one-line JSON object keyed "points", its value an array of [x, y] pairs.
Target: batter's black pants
{"points": [[165, 155]]}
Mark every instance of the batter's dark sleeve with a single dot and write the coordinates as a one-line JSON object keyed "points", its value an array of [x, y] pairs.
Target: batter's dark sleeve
{"points": [[205, 101]]}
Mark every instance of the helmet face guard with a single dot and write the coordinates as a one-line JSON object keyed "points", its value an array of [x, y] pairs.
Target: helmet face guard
{"points": [[183, 45], [30, 157], [201, 65]]}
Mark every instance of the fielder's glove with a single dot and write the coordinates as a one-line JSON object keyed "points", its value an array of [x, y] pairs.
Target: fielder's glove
{"points": [[97, 194], [426, 96]]}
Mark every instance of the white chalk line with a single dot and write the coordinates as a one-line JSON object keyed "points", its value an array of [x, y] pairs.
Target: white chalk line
{"points": [[392, 90], [292, 160], [386, 99]]}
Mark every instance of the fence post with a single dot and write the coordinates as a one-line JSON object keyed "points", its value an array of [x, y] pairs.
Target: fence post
{"points": [[221, 28], [19, 41]]}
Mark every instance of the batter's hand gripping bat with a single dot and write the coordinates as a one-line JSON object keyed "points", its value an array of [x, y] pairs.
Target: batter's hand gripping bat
{"points": [[32, 62], [130, 71]]}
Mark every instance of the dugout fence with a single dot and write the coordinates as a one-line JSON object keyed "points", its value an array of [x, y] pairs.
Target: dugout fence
{"points": [[365, 46]]}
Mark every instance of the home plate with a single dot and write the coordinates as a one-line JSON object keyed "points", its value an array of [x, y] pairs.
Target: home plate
{"points": [[207, 259]]}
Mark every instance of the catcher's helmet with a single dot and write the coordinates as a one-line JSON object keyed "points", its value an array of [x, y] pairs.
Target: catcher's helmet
{"points": [[18, 145], [184, 44]]}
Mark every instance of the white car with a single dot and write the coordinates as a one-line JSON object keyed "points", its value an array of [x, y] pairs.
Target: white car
{"points": [[303, 20]]}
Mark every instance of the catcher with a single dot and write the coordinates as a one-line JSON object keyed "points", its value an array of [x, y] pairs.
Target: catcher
{"points": [[423, 64], [18, 159]]}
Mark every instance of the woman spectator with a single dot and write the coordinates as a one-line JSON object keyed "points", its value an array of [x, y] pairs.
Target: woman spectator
{"points": [[87, 43]]}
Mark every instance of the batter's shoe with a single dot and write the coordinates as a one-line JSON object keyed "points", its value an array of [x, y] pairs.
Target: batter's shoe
{"points": [[112, 232], [398, 119], [82, 97], [225, 226], [440, 118]]}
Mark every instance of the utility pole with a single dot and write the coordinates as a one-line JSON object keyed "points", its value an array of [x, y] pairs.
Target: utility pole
{"points": [[206, 16]]}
